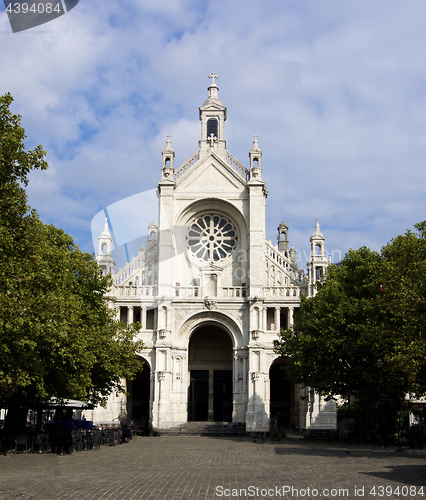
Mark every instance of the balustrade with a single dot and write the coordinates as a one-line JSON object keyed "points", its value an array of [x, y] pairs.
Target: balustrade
{"points": [[187, 291], [135, 290], [241, 169], [283, 291], [186, 166]]}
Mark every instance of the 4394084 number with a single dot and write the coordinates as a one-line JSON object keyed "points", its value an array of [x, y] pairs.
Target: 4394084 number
{"points": [[35, 8], [399, 491]]}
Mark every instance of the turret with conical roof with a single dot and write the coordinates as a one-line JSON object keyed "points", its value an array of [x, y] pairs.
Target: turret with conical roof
{"points": [[104, 258], [283, 238], [318, 262], [168, 161], [255, 156]]}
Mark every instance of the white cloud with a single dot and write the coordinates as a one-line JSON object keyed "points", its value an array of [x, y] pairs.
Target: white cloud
{"points": [[334, 90]]}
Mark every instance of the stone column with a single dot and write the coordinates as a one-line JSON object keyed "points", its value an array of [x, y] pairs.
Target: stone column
{"points": [[240, 386], [290, 321], [129, 315], [277, 319], [143, 318]]}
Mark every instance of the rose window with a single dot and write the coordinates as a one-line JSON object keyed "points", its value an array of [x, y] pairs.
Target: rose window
{"points": [[212, 238]]}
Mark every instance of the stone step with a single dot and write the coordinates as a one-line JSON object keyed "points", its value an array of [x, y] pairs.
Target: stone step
{"points": [[205, 429]]}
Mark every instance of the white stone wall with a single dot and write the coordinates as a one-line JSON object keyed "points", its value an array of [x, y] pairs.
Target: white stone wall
{"points": [[234, 293]]}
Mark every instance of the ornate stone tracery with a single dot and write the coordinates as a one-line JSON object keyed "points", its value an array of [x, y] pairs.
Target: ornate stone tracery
{"points": [[212, 238]]}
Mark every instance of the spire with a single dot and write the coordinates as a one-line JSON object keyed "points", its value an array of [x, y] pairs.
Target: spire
{"points": [[212, 117], [105, 232], [317, 234], [168, 148], [255, 148], [213, 88]]}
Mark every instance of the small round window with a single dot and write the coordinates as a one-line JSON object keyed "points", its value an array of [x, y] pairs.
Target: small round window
{"points": [[211, 238]]}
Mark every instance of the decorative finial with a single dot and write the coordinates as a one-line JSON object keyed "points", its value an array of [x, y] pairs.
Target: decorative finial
{"points": [[213, 76]]}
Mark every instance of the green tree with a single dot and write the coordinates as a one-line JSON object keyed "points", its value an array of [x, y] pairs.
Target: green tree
{"points": [[370, 307], [403, 303], [58, 335]]}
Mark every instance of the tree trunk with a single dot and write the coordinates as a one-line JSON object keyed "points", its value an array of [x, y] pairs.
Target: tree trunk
{"points": [[16, 418]]}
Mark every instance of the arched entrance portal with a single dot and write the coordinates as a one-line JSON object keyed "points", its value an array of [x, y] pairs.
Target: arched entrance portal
{"points": [[210, 392], [283, 407], [138, 398]]}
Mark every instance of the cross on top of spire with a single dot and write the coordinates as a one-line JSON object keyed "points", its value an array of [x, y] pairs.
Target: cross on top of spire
{"points": [[213, 76]]}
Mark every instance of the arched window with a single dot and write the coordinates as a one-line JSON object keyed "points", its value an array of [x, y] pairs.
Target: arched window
{"points": [[318, 273], [212, 127]]}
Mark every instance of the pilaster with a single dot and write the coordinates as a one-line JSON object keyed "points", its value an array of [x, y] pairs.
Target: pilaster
{"points": [[165, 238]]}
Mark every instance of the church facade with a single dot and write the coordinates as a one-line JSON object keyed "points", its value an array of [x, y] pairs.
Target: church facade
{"points": [[211, 294]]}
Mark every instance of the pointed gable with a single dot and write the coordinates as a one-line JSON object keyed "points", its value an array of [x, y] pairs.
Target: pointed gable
{"points": [[213, 175]]}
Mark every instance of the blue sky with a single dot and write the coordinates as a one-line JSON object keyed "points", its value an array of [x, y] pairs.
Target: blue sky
{"points": [[334, 90]]}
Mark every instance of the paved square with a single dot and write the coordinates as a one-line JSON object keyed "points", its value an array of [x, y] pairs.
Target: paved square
{"points": [[211, 468]]}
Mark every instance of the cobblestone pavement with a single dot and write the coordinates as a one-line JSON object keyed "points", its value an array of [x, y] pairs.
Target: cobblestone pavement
{"points": [[210, 468]]}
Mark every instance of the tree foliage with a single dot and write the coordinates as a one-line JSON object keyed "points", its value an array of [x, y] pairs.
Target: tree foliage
{"points": [[371, 306], [58, 336]]}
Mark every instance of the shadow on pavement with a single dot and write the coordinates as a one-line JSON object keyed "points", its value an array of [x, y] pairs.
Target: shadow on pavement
{"points": [[414, 475]]}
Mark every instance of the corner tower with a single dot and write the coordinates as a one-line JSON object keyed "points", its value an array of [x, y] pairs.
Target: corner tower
{"points": [[318, 262], [104, 258]]}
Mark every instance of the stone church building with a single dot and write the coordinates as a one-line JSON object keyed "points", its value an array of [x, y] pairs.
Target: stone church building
{"points": [[211, 295]]}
